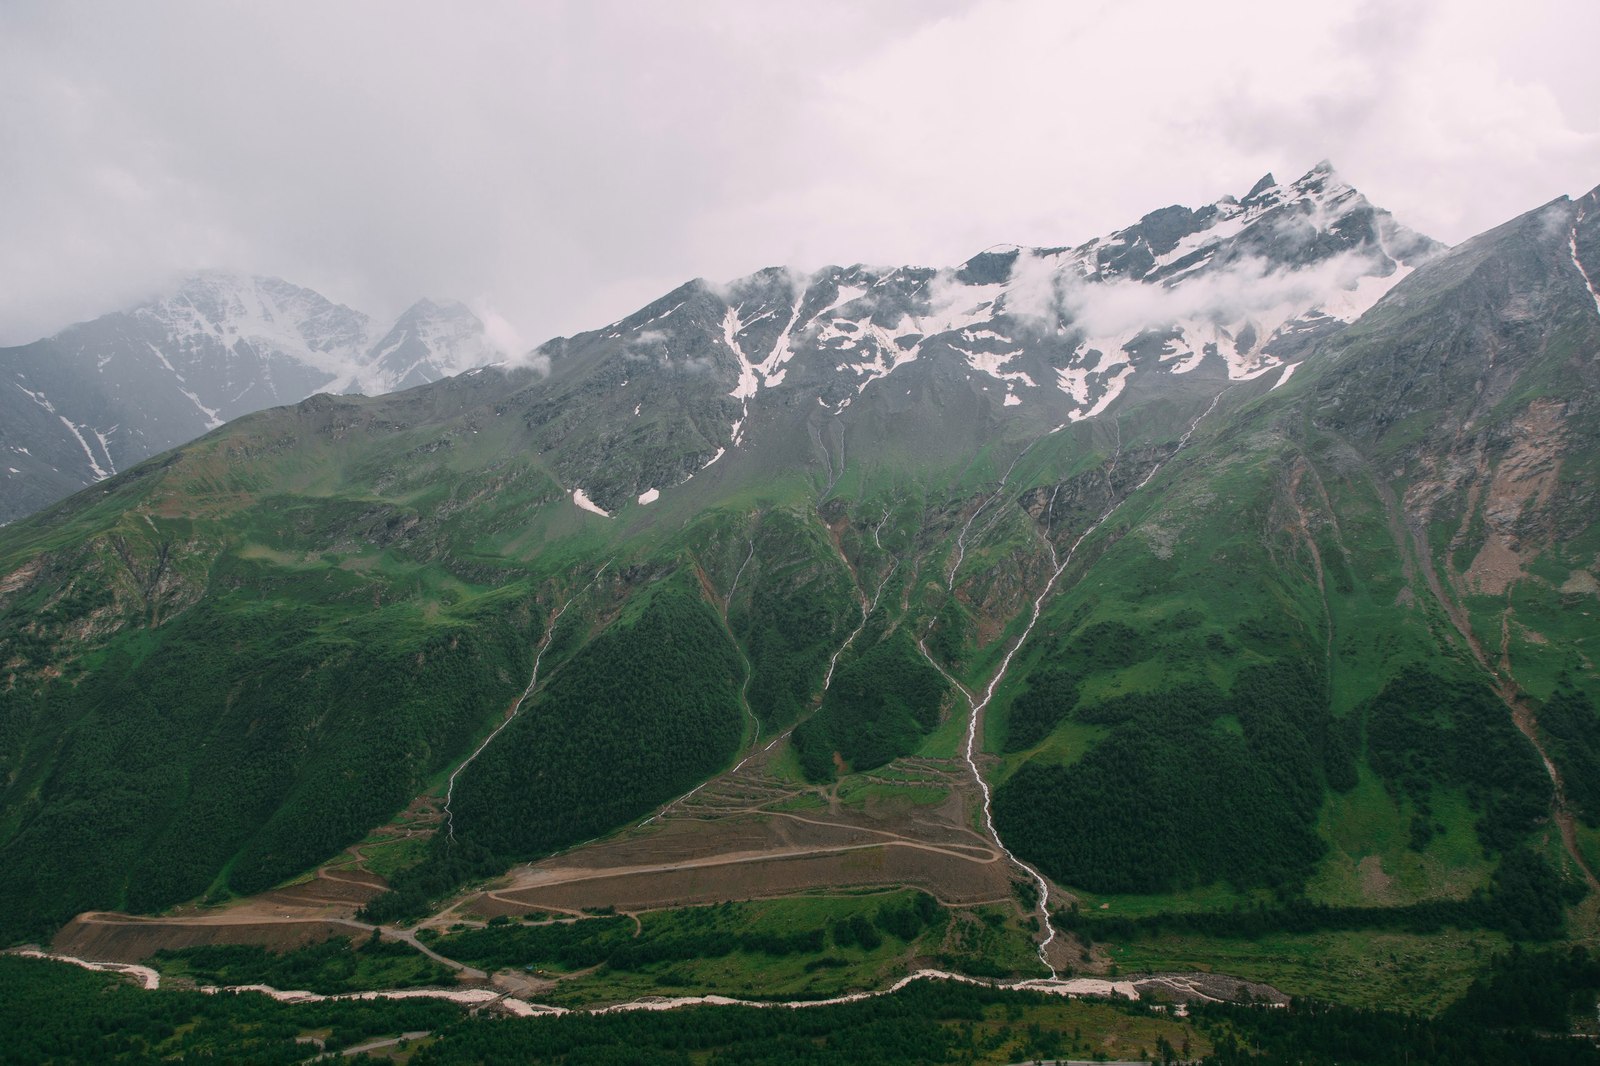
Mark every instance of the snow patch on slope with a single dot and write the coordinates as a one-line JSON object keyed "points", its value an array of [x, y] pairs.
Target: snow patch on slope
{"points": [[212, 419], [994, 364], [881, 346], [748, 384], [98, 472], [1113, 384], [1572, 246], [580, 498]]}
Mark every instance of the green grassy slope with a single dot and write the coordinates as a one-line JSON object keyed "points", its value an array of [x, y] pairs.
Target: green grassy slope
{"points": [[1276, 673]]}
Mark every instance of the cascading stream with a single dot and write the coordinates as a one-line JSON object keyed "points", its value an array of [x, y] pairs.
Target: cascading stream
{"points": [[867, 608], [978, 707]]}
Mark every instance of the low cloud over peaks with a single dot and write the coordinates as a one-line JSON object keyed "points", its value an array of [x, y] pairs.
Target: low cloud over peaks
{"points": [[1248, 289]]}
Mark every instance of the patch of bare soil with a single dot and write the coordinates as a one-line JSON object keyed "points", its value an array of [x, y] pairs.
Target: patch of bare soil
{"points": [[1496, 566], [1375, 884], [106, 937], [19, 577], [339, 888], [1580, 581], [1522, 482], [735, 877], [312, 910]]}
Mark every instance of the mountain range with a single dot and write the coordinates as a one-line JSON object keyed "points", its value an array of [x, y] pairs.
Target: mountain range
{"points": [[1232, 576]]}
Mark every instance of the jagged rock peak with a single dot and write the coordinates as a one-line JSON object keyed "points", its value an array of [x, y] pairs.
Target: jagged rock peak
{"points": [[1267, 181]]}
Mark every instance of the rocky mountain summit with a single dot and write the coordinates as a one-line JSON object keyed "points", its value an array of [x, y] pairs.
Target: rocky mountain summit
{"points": [[1233, 291]]}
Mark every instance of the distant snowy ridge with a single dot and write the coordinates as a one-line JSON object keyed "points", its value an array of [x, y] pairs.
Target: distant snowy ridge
{"points": [[134, 383]]}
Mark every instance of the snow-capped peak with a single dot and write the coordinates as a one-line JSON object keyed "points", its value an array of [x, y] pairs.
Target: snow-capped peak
{"points": [[431, 340], [267, 312], [1245, 281]]}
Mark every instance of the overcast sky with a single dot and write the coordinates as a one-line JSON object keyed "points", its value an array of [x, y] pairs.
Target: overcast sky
{"points": [[557, 165]]}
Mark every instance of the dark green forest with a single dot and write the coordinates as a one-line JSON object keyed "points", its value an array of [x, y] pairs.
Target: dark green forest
{"points": [[638, 716], [1045, 702], [1425, 732], [1193, 786], [642, 714], [224, 740], [709, 932], [337, 965], [792, 611], [1569, 719], [1526, 899], [1189, 787], [880, 705], [56, 1013]]}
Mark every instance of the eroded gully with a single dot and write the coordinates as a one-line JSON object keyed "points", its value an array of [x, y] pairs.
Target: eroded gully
{"points": [[533, 682]]}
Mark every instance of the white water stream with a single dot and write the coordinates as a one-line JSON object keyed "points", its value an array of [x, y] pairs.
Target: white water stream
{"points": [[867, 607], [961, 538], [480, 996], [149, 979], [728, 600], [1058, 568]]}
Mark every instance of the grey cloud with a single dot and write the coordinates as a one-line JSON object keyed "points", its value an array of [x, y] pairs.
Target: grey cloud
{"points": [[1243, 290], [1247, 289], [558, 165]]}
